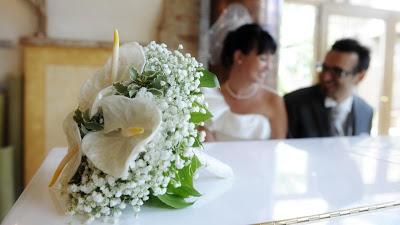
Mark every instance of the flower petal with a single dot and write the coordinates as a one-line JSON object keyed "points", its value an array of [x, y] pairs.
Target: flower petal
{"points": [[108, 149], [71, 168], [96, 103], [112, 153], [92, 87], [68, 166], [123, 112], [130, 55], [71, 129]]}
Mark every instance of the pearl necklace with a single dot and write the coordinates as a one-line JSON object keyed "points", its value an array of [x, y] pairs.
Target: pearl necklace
{"points": [[241, 96]]}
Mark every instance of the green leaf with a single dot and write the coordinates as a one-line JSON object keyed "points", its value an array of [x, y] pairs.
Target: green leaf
{"points": [[208, 79], [132, 93], [121, 89], [176, 196], [185, 176], [133, 73], [174, 201], [155, 202], [186, 173], [93, 126], [87, 123], [86, 116], [198, 117], [156, 83], [155, 91], [197, 142], [185, 191], [195, 164], [78, 116], [181, 147], [149, 74]]}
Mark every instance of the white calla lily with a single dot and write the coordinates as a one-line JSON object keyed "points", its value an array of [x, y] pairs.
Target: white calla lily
{"points": [[130, 55], [125, 138], [71, 161], [129, 124], [68, 165]]}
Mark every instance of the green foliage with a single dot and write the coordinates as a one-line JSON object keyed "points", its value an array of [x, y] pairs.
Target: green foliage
{"points": [[176, 197], [174, 201], [133, 89], [76, 179], [208, 79], [87, 124], [197, 143], [185, 191], [149, 79], [133, 73], [121, 89], [156, 203], [156, 91], [198, 117]]}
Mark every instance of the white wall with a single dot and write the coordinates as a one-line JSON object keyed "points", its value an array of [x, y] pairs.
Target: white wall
{"points": [[136, 20], [16, 20]]}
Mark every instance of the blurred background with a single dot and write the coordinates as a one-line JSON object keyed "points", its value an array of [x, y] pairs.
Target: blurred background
{"points": [[48, 48]]}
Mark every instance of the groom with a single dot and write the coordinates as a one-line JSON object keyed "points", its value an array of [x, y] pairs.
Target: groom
{"points": [[331, 108]]}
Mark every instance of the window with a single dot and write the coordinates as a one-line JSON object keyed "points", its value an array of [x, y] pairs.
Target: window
{"points": [[310, 27], [379, 4], [394, 129], [296, 49]]}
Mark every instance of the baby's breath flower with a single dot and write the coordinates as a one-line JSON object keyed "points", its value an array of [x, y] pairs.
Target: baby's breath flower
{"points": [[101, 195]]}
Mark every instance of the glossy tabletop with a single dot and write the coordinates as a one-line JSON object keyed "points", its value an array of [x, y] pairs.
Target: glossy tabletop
{"points": [[274, 180], [389, 216]]}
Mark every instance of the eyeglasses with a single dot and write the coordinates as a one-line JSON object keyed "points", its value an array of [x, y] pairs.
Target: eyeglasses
{"points": [[336, 71]]}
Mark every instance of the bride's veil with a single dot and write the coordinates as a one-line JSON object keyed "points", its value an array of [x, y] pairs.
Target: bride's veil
{"points": [[234, 16]]}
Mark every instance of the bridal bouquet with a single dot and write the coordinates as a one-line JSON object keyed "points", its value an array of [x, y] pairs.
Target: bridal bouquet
{"points": [[134, 137]]}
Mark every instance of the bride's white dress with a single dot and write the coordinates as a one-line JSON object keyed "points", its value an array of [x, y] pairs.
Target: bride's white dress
{"points": [[229, 126]]}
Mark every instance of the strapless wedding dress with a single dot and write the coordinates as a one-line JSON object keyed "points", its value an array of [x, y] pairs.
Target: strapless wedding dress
{"points": [[229, 126]]}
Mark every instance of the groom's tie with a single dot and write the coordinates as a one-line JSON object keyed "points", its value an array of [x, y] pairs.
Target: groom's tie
{"points": [[336, 126]]}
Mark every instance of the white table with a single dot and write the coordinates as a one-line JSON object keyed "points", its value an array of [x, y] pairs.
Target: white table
{"points": [[274, 180], [389, 216]]}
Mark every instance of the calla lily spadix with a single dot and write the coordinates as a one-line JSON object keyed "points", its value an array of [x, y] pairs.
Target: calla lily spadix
{"points": [[129, 124], [115, 56]]}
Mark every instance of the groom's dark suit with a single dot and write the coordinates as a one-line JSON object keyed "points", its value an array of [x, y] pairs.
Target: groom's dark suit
{"points": [[308, 116]]}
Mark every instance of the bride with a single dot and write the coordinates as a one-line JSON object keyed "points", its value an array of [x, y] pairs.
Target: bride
{"points": [[244, 108]]}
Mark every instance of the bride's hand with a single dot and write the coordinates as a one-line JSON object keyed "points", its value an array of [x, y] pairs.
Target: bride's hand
{"points": [[210, 137]]}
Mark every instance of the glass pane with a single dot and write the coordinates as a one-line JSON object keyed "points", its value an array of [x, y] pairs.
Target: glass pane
{"points": [[394, 129], [296, 50], [379, 4], [370, 32]]}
